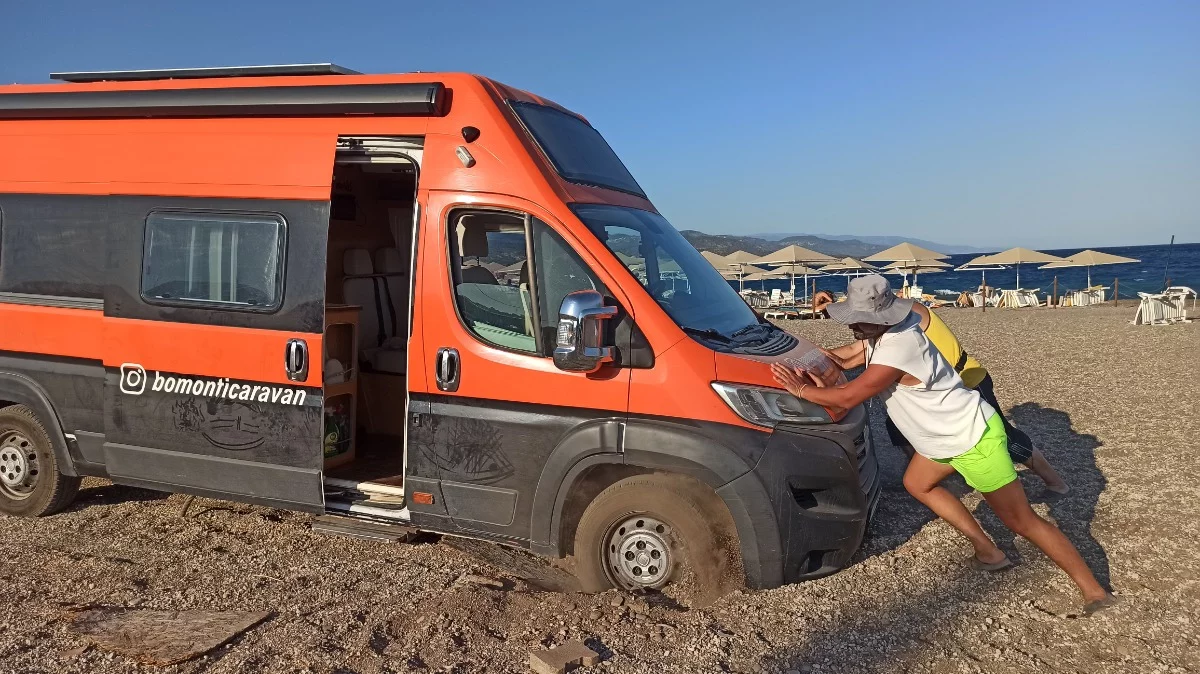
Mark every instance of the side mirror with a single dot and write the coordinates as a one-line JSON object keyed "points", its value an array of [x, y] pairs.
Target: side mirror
{"points": [[579, 346]]}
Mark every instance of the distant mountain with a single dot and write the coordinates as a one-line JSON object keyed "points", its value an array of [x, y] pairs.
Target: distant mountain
{"points": [[724, 244], [881, 242]]}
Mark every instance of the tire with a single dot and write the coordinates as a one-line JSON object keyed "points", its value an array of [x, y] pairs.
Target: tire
{"points": [[639, 533], [30, 482]]}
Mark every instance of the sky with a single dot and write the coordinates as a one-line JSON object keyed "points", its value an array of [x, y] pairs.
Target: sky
{"points": [[992, 124]]}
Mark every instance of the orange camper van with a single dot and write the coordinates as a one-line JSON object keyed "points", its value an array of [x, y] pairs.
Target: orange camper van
{"points": [[423, 300]]}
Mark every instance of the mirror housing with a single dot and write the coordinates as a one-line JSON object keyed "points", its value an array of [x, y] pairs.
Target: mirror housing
{"points": [[579, 346]]}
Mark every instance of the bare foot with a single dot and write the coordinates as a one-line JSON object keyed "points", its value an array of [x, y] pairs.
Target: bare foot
{"points": [[990, 557]]}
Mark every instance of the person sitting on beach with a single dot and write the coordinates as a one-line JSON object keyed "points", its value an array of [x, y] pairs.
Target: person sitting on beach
{"points": [[974, 376], [952, 429]]}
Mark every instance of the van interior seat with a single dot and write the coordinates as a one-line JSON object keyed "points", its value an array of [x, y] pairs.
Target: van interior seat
{"points": [[363, 287], [474, 244], [391, 276], [390, 264]]}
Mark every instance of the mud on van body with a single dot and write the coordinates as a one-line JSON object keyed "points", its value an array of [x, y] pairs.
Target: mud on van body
{"points": [[427, 299]]}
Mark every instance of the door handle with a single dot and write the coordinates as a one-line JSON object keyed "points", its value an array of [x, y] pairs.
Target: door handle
{"points": [[295, 359], [448, 367]]}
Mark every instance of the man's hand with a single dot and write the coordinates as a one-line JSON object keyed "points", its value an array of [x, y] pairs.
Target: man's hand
{"points": [[795, 379], [822, 299]]}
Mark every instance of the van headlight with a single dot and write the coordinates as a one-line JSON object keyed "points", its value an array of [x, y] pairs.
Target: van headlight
{"points": [[770, 406]]}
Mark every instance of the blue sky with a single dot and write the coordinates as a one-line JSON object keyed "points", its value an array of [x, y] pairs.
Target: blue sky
{"points": [[1040, 124]]}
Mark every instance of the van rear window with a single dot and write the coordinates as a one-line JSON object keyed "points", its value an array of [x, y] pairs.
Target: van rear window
{"points": [[578, 151], [228, 261]]}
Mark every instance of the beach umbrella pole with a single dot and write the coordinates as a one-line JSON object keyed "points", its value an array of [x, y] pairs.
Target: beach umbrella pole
{"points": [[983, 291]]}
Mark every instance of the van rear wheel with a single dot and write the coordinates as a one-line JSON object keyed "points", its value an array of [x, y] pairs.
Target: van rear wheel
{"points": [[643, 531], [30, 483]]}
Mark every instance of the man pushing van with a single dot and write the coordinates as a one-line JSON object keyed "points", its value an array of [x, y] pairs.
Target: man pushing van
{"points": [[950, 427]]}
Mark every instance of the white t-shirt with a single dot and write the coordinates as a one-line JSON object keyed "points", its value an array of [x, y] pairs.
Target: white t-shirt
{"points": [[940, 416]]}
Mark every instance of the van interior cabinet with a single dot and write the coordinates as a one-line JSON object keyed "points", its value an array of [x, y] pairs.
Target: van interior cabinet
{"points": [[341, 383]]}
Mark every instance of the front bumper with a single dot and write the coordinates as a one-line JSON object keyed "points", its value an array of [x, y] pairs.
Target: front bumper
{"points": [[810, 499]]}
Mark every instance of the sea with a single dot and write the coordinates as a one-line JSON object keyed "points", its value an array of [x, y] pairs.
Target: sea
{"points": [[1178, 264]]}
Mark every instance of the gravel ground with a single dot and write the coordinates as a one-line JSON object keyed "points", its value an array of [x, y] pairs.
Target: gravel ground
{"points": [[1113, 406]]}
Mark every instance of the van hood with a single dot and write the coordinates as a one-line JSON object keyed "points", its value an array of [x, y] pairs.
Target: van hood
{"points": [[756, 370]]}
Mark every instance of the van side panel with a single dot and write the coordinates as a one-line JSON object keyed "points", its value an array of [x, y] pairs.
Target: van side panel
{"points": [[215, 405]]}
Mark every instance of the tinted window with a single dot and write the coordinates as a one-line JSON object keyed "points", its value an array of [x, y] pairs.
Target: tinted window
{"points": [[54, 245], [560, 271], [231, 260], [492, 278], [578, 151], [683, 283]]}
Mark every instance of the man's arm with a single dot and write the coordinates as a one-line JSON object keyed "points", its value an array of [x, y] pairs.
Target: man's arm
{"points": [[848, 356], [870, 383], [822, 299]]}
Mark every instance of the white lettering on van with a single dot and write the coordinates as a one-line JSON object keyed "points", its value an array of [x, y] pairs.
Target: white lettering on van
{"points": [[133, 378]]}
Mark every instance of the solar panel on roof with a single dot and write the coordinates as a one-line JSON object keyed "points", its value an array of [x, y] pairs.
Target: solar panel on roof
{"points": [[199, 73]]}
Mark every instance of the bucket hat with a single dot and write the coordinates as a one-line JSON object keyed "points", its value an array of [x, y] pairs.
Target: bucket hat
{"points": [[869, 299]]}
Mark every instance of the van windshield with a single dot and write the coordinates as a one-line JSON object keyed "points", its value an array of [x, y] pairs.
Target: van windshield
{"points": [[685, 285], [578, 151]]}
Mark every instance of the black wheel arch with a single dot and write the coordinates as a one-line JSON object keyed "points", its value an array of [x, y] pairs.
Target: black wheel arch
{"points": [[586, 462], [16, 389]]}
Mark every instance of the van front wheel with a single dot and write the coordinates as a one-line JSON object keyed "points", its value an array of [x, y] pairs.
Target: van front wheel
{"points": [[30, 484], [642, 531]]}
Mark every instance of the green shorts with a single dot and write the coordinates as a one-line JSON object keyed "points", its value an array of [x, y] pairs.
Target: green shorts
{"points": [[987, 466]]}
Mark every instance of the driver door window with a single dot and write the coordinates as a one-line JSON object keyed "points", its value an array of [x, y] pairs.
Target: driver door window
{"points": [[499, 299]]}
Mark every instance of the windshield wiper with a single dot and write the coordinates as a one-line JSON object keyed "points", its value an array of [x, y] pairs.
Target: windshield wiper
{"points": [[749, 328], [706, 332]]}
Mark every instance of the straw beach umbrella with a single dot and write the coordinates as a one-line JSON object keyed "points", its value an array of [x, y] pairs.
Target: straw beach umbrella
{"points": [[796, 258], [765, 276], [848, 267], [740, 257], [905, 251], [1089, 259], [718, 261], [982, 264], [740, 273], [915, 267], [1018, 256]]}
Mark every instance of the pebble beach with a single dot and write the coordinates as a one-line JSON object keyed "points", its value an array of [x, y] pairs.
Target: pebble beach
{"points": [[1112, 405]]}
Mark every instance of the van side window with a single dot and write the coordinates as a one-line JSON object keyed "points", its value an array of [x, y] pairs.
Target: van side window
{"points": [[226, 260], [502, 297], [490, 266]]}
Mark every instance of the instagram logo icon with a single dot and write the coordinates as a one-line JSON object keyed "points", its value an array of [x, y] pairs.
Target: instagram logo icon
{"points": [[133, 378]]}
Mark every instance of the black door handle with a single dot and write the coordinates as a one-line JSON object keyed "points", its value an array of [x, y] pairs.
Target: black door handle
{"points": [[448, 369], [295, 359]]}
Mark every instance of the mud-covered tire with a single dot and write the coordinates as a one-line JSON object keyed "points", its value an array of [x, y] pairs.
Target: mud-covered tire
{"points": [[668, 511], [30, 482]]}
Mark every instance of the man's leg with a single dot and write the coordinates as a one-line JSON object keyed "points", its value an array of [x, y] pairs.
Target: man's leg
{"points": [[1020, 445], [921, 480], [1041, 467], [1010, 504]]}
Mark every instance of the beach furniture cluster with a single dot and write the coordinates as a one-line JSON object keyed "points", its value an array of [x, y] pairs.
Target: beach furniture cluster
{"points": [[909, 261]]}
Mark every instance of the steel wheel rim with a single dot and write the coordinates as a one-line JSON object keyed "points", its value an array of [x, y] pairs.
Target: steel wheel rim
{"points": [[19, 466], [638, 553]]}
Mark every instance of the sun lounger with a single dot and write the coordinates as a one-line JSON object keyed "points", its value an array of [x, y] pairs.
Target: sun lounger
{"points": [[1087, 296], [1162, 309], [1182, 292]]}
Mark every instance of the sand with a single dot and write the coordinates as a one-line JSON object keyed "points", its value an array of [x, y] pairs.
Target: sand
{"points": [[1114, 407]]}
